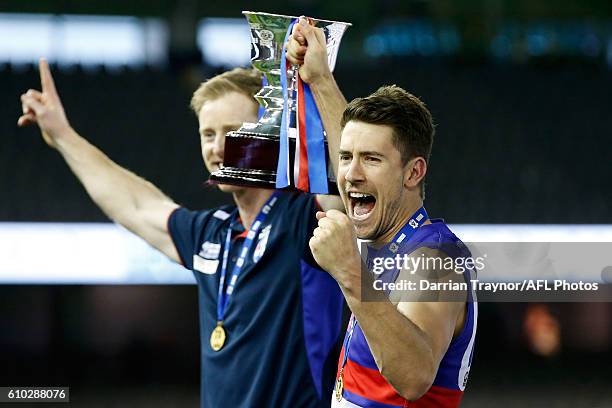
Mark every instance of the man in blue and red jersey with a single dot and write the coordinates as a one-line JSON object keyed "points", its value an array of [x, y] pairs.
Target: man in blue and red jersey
{"points": [[269, 318], [399, 351]]}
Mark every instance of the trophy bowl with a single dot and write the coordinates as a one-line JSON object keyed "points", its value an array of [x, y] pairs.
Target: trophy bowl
{"points": [[251, 152]]}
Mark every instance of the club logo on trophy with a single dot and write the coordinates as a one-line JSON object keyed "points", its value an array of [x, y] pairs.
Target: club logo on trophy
{"points": [[286, 148]]}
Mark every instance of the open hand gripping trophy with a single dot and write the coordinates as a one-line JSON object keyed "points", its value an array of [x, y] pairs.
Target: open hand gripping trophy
{"points": [[267, 154]]}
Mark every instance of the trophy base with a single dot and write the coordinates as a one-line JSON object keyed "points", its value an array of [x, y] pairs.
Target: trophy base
{"points": [[244, 177], [250, 161]]}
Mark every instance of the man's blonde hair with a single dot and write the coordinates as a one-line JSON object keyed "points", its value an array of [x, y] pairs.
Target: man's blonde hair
{"points": [[244, 81]]}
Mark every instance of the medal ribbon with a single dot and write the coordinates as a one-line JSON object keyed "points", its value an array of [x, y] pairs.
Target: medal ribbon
{"points": [[407, 231], [223, 298], [282, 168]]}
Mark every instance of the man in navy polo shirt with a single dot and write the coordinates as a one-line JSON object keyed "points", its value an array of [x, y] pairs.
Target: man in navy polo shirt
{"points": [[269, 319]]}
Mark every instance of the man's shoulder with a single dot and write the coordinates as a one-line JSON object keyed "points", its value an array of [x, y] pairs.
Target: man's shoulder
{"points": [[219, 214], [209, 218], [438, 236], [437, 231]]}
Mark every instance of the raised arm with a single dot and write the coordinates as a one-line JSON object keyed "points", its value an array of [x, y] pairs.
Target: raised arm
{"points": [[123, 196], [307, 48]]}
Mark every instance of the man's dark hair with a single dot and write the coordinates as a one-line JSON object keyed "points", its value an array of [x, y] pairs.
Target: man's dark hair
{"points": [[407, 115]]}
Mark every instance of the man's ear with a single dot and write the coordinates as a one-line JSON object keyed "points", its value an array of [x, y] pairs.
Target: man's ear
{"points": [[414, 172]]}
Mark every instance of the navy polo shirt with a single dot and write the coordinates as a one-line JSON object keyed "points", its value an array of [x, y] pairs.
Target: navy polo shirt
{"points": [[283, 319]]}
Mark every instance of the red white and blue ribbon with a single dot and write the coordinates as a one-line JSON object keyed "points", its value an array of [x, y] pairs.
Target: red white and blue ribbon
{"points": [[282, 168], [262, 110], [313, 136], [310, 164]]}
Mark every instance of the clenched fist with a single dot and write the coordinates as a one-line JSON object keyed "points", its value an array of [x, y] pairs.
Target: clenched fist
{"points": [[307, 48], [334, 247]]}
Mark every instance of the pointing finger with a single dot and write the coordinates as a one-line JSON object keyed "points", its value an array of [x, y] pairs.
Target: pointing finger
{"points": [[46, 79]]}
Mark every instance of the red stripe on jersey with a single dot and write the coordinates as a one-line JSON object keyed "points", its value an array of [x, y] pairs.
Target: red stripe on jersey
{"points": [[438, 397], [370, 384]]}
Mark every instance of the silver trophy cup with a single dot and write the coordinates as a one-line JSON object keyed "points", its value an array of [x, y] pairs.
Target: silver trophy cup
{"points": [[251, 152]]}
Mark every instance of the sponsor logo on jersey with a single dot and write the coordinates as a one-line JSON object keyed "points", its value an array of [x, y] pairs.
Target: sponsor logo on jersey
{"points": [[210, 250], [207, 266]]}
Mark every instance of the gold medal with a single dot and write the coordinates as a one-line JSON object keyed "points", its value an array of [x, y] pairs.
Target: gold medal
{"points": [[339, 387], [217, 337]]}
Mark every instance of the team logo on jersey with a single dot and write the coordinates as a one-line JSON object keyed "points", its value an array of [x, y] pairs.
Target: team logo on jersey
{"points": [[262, 241]]}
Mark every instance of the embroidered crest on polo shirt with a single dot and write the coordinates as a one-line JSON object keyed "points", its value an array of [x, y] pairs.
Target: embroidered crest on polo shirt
{"points": [[262, 241]]}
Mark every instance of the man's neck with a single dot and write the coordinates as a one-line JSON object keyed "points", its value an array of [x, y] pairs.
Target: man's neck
{"points": [[249, 201], [407, 212]]}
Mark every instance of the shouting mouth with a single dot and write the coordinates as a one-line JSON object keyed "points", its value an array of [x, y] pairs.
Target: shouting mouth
{"points": [[361, 205]]}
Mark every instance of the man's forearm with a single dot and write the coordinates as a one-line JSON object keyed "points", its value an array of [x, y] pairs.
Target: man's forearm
{"points": [[126, 198], [400, 348], [331, 104], [117, 191]]}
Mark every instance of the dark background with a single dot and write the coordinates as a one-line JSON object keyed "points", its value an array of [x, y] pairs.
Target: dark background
{"points": [[521, 139]]}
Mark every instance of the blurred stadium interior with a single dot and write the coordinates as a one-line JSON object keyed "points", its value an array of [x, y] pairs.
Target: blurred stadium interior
{"points": [[520, 92]]}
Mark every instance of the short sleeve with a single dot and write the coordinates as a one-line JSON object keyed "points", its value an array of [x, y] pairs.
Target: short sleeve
{"points": [[185, 226]]}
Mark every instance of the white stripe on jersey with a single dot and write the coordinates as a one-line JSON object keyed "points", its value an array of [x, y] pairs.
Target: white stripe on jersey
{"points": [[465, 361]]}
